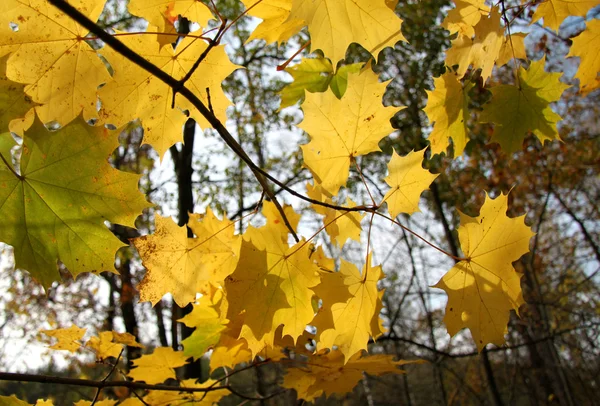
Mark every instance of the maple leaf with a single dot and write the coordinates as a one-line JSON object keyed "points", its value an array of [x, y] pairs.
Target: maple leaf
{"points": [[408, 180], [50, 55], [163, 13], [157, 367], [158, 397], [465, 16], [110, 344], [55, 209], [230, 350], [513, 46], [208, 325], [585, 46], [335, 24], [481, 51], [311, 74], [484, 287], [448, 109], [352, 318], [104, 402], [274, 218], [12, 400], [339, 225], [554, 12], [186, 266], [343, 129], [16, 108], [134, 93], [275, 26], [125, 338], [328, 374], [271, 287], [517, 110], [104, 346], [68, 338], [316, 75]]}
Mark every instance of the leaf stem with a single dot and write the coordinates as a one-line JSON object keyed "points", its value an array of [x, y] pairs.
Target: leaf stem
{"points": [[419, 237], [10, 167]]}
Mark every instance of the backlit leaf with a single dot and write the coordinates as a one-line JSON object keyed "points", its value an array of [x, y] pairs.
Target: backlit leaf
{"points": [[186, 266], [518, 110], [407, 180], [68, 338], [55, 211], [352, 319], [482, 50], [50, 55], [157, 367], [136, 94], [16, 108], [275, 26], [586, 46], [328, 374], [448, 109], [343, 129], [271, 287], [554, 12], [335, 24], [484, 287]]}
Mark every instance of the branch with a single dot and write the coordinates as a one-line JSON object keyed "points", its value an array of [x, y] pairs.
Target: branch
{"points": [[175, 84], [8, 376]]}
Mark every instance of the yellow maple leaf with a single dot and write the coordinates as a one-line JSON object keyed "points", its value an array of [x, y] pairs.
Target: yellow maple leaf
{"points": [[104, 402], [328, 373], [206, 319], [335, 24], [554, 12], [158, 397], [157, 367], [465, 16], [585, 46], [104, 346], [16, 108], [481, 51], [517, 110], [68, 338], [163, 13], [275, 220], [230, 350], [275, 26], [50, 55], [135, 93], [448, 109], [407, 180], [186, 266], [513, 46], [352, 318], [271, 287], [49, 217], [484, 287], [125, 338], [12, 400], [339, 225], [342, 129]]}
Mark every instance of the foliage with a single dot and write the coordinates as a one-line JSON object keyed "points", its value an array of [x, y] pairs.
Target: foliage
{"points": [[270, 293]]}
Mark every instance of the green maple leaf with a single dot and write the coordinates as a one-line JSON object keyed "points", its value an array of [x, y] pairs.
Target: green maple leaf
{"points": [[518, 110], [54, 207]]}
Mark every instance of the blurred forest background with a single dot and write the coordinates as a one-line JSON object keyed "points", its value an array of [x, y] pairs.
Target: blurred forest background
{"points": [[552, 354]]}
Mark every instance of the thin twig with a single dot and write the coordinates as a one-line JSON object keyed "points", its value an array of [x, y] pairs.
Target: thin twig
{"points": [[106, 378]]}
